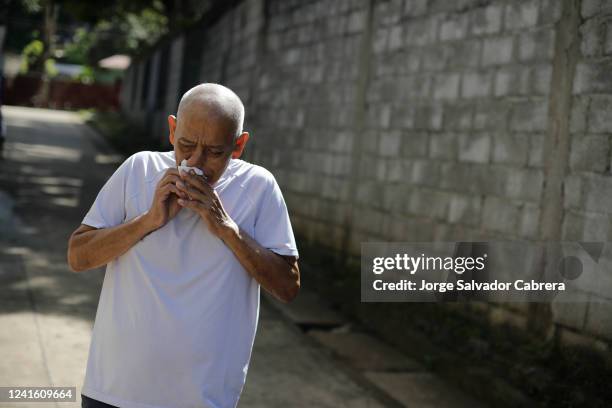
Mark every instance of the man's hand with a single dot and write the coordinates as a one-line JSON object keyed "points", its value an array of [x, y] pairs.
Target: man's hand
{"points": [[199, 196], [165, 204], [277, 274]]}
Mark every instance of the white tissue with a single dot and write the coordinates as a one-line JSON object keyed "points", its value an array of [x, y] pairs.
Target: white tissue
{"points": [[184, 167]]}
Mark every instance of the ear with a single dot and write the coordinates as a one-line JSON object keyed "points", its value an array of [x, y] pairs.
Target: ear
{"points": [[172, 127], [240, 144]]}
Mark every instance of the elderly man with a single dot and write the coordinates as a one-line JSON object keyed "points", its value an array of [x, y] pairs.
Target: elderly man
{"points": [[185, 255]]}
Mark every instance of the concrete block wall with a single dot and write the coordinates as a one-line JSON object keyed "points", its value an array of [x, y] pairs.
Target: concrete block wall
{"points": [[420, 120]]}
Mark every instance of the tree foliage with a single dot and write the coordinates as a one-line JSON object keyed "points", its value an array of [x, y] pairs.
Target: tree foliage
{"points": [[88, 31]]}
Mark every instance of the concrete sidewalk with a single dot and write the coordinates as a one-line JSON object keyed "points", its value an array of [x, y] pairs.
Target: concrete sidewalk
{"points": [[51, 171]]}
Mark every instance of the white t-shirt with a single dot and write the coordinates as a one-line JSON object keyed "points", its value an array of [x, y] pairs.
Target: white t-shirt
{"points": [[177, 314]]}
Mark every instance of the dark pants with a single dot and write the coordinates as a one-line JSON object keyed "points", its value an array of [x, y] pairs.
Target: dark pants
{"points": [[92, 403]]}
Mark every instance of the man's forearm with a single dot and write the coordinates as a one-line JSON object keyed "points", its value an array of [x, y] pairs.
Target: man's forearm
{"points": [[272, 272], [91, 249]]}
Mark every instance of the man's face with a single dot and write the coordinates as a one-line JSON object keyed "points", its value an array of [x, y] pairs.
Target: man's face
{"points": [[205, 141]]}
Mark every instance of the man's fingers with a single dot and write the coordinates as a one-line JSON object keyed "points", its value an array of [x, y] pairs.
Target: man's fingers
{"points": [[193, 204], [169, 178], [171, 188], [204, 204], [193, 192], [197, 182]]}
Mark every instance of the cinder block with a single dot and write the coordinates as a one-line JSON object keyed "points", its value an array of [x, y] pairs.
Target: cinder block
{"points": [[454, 27], [592, 33], [541, 79], [458, 116], [550, 11], [590, 7], [426, 173], [455, 175], [464, 209], [520, 15], [572, 191], [512, 81], [491, 115], [380, 40], [402, 116], [580, 105], [474, 147], [390, 142], [510, 148], [428, 117], [476, 84], [529, 116], [536, 45], [393, 198], [607, 45], [497, 51], [463, 54], [341, 165], [530, 221], [435, 58], [395, 38], [443, 146], [596, 228], [597, 192], [395, 171], [593, 77], [504, 81], [420, 87], [370, 141], [414, 144], [421, 32], [525, 184], [599, 114], [429, 203], [385, 116], [500, 215], [368, 191], [356, 21], [415, 7], [381, 170], [487, 20], [590, 153], [368, 222], [573, 226]]}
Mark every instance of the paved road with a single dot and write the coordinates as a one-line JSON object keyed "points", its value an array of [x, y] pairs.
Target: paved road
{"points": [[52, 168]]}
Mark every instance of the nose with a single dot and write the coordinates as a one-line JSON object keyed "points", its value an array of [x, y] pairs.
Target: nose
{"points": [[197, 159]]}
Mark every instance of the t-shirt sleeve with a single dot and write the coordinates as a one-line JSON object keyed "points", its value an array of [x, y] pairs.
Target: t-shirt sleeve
{"points": [[108, 210], [272, 225]]}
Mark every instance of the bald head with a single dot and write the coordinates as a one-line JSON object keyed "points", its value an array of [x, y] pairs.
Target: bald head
{"points": [[212, 102]]}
